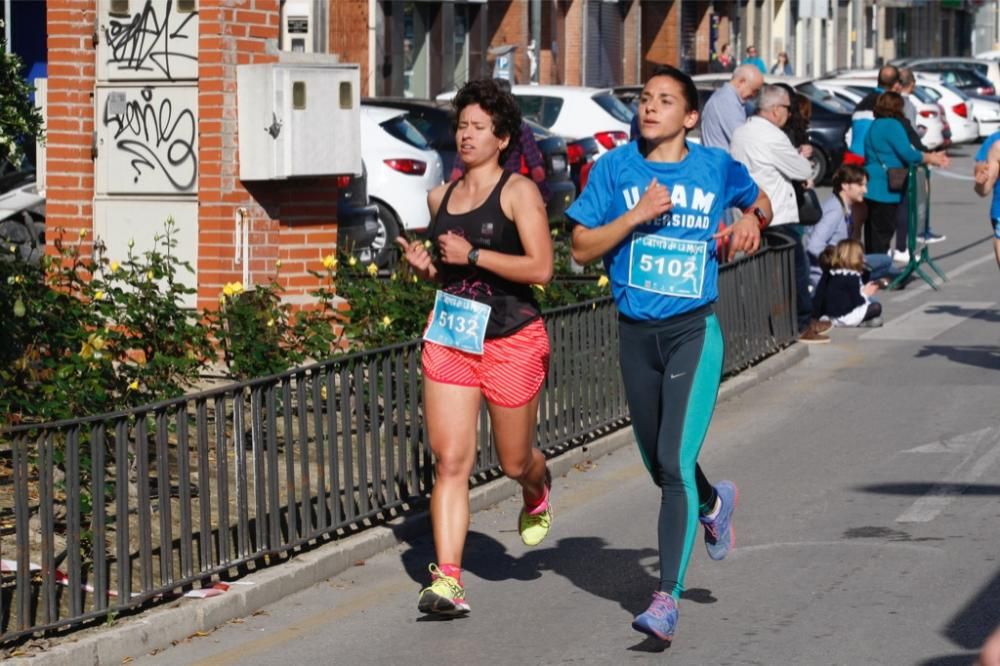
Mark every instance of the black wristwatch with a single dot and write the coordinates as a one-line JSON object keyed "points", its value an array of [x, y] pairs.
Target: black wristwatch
{"points": [[473, 256], [761, 216]]}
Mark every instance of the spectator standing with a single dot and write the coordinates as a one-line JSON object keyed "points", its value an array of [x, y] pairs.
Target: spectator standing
{"points": [[843, 295], [907, 83], [774, 163], [754, 59], [887, 147], [726, 109], [864, 114], [850, 183], [782, 67], [723, 61], [986, 172], [524, 152], [485, 338]]}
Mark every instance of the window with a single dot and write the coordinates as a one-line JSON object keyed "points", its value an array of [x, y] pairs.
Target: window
{"points": [[543, 110], [404, 130], [614, 106]]}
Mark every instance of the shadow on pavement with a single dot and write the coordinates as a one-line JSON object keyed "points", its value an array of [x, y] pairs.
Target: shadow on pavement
{"points": [[970, 627], [951, 660], [616, 574], [923, 487], [979, 356]]}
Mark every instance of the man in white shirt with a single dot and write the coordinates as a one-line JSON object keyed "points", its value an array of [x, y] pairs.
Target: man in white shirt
{"points": [[774, 163]]}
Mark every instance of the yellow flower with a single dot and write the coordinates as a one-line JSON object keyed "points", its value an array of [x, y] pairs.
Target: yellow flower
{"points": [[277, 264], [372, 269], [98, 295], [149, 275], [322, 392], [232, 288], [427, 244], [386, 321], [115, 266], [393, 276], [329, 262], [538, 287], [134, 386], [222, 298], [352, 261], [131, 243], [13, 249], [18, 279], [602, 281], [414, 279], [270, 322], [83, 233], [555, 233], [92, 347]]}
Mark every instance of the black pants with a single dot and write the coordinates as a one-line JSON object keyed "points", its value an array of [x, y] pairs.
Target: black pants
{"points": [[803, 300], [880, 227]]}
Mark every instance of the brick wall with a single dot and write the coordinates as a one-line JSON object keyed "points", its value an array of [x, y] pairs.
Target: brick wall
{"points": [[294, 221], [70, 26], [659, 35], [508, 24], [573, 47], [349, 36], [631, 39]]}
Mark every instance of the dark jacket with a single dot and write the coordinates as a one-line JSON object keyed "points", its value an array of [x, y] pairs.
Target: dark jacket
{"points": [[838, 293]]}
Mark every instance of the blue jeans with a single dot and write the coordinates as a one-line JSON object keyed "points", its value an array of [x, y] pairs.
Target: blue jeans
{"points": [[880, 266]]}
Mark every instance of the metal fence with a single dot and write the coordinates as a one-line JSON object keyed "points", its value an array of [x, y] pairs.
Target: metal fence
{"points": [[108, 513]]}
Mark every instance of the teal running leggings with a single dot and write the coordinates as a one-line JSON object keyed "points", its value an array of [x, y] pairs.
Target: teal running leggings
{"points": [[671, 371]]}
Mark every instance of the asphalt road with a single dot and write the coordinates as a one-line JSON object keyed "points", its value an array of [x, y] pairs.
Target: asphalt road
{"points": [[866, 534]]}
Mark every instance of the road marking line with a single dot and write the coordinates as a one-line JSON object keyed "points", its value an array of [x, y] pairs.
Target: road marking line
{"points": [[921, 323], [912, 293], [941, 495], [956, 444]]}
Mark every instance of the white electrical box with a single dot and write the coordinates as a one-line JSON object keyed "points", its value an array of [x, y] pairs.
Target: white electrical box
{"points": [[147, 40], [120, 221], [147, 139], [299, 117], [297, 26]]}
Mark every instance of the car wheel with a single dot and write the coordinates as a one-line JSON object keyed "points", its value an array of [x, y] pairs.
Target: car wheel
{"points": [[25, 231], [384, 244], [820, 164]]}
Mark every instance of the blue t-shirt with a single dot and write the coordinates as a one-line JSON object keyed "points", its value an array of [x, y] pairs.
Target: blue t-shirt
{"points": [[981, 155], [670, 265]]}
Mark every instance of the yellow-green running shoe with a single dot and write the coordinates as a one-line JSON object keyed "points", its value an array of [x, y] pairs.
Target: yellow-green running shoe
{"points": [[444, 596], [535, 528]]}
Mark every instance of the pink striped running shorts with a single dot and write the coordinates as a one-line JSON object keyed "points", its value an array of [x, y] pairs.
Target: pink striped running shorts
{"points": [[510, 371]]}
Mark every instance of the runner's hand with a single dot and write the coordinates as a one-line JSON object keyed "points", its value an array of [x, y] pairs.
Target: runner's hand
{"points": [[416, 254], [454, 249], [982, 172], [744, 236], [655, 201]]}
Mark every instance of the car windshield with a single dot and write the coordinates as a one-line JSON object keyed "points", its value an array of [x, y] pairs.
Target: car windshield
{"points": [[540, 108], [405, 131], [614, 106], [824, 97], [924, 95], [932, 94]]}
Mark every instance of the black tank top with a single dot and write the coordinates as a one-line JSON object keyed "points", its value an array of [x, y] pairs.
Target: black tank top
{"points": [[487, 227]]}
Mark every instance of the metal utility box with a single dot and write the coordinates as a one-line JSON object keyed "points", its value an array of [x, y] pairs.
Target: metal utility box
{"points": [[144, 40], [299, 117], [146, 139]]}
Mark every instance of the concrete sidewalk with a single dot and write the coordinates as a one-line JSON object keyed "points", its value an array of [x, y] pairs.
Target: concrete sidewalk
{"points": [[160, 627]]}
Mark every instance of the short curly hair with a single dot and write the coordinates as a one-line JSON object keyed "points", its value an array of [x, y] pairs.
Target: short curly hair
{"points": [[498, 103]]}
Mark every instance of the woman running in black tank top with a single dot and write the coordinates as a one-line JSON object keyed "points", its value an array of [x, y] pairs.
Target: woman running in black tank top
{"points": [[485, 338]]}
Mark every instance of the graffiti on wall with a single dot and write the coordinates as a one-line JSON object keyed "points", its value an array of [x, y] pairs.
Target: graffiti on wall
{"points": [[152, 137], [157, 42]]}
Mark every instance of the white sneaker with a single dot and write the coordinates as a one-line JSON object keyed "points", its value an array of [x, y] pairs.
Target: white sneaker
{"points": [[901, 257]]}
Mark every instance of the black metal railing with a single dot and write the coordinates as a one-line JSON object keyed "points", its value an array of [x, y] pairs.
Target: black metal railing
{"points": [[103, 514]]}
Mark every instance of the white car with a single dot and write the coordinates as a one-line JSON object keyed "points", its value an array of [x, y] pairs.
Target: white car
{"points": [[402, 169], [574, 112], [930, 123], [957, 106], [987, 114]]}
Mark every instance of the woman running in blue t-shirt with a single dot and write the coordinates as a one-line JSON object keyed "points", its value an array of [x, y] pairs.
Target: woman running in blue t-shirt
{"points": [[652, 209]]}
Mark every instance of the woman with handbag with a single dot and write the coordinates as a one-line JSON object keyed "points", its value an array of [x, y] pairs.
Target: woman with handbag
{"points": [[888, 156]]}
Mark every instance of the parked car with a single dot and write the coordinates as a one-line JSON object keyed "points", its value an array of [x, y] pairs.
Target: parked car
{"points": [[931, 124], [434, 120], [402, 169], [987, 67], [957, 105], [574, 112], [357, 218], [22, 213]]}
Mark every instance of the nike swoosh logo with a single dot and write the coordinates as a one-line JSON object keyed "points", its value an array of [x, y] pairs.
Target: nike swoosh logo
{"points": [[679, 374]]}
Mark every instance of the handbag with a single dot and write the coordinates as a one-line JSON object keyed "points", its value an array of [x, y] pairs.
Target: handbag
{"points": [[810, 211], [895, 176]]}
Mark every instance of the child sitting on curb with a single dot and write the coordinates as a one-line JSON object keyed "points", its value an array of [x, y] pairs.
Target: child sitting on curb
{"points": [[843, 295]]}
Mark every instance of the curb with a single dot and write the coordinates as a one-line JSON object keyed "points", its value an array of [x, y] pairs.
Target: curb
{"points": [[159, 628]]}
